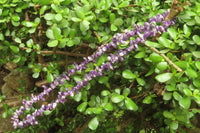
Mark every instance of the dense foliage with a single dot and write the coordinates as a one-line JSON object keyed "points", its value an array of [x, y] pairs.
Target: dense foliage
{"points": [[140, 92]]}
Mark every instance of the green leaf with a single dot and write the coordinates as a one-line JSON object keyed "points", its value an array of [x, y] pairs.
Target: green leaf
{"points": [[197, 64], [97, 110], [36, 75], [130, 105], [127, 74], [141, 81], [112, 18], [196, 54], [187, 92], [147, 100], [113, 27], [28, 24], [191, 73], [70, 43], [187, 30], [58, 17], [2, 37], [56, 32], [50, 77], [77, 97], [196, 83], [108, 107], [5, 115], [168, 114], [103, 80], [167, 96], [162, 66], [52, 43], [49, 34], [164, 42], [82, 107], [93, 124], [164, 77], [84, 25], [49, 16], [116, 98], [15, 49], [123, 4], [126, 92], [185, 102], [177, 96], [89, 111], [17, 40], [43, 9], [172, 32], [47, 112], [152, 44], [118, 22], [105, 93], [154, 57], [76, 19], [173, 125], [140, 54], [196, 39], [15, 18]]}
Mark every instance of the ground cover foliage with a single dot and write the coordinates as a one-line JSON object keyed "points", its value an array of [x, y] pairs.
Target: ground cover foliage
{"points": [[154, 89]]}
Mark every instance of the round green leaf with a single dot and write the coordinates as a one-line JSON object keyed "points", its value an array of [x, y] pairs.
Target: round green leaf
{"points": [[116, 98], [130, 105], [124, 4], [141, 81], [196, 83], [187, 30], [97, 110], [49, 34], [82, 107], [167, 96], [84, 25], [127, 74], [191, 73], [52, 43], [185, 102], [162, 66], [89, 111], [28, 24], [108, 107], [47, 112], [196, 54], [168, 114], [147, 100], [164, 77], [172, 32], [140, 55], [173, 125], [50, 77], [187, 92], [105, 93], [196, 39], [5, 115], [58, 17], [197, 64], [126, 91], [49, 16], [155, 57], [70, 43], [93, 124], [164, 42], [36, 75], [56, 32], [177, 96], [15, 49], [113, 27], [77, 97]]}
